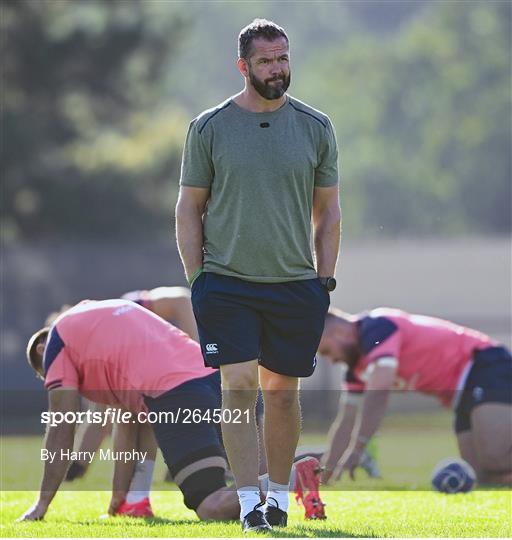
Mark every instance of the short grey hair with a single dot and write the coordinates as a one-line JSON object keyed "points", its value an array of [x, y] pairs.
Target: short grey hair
{"points": [[259, 28]]}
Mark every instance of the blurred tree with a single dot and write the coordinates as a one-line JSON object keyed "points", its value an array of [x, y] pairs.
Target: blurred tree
{"points": [[88, 144], [423, 119], [92, 119]]}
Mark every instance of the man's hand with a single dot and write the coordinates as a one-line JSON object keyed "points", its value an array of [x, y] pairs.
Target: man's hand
{"points": [[34, 513], [116, 501], [348, 462]]}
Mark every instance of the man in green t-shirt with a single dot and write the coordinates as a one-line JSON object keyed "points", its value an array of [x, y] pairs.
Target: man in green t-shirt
{"points": [[259, 173]]}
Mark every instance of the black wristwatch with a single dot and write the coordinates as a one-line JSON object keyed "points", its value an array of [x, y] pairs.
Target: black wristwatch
{"points": [[328, 282]]}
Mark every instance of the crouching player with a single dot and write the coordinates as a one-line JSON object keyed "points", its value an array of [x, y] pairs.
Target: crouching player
{"points": [[117, 353], [389, 349], [172, 304]]}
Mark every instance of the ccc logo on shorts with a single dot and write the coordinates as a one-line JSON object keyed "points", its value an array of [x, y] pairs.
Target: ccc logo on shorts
{"points": [[211, 348]]}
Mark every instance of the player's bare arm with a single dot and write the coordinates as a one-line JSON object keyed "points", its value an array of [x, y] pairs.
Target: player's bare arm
{"points": [[59, 439], [373, 409], [189, 227], [326, 229], [125, 440], [340, 433]]}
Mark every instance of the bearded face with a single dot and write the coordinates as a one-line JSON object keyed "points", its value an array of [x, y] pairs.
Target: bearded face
{"points": [[268, 67], [272, 87]]}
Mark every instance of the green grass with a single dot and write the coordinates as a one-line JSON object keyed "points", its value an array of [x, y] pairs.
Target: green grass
{"points": [[350, 514], [400, 505]]}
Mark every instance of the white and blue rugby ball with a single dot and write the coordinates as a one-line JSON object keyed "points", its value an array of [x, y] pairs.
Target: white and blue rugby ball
{"points": [[453, 475]]}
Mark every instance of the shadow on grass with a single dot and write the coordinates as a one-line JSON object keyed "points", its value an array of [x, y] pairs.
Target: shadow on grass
{"points": [[302, 531], [141, 522]]}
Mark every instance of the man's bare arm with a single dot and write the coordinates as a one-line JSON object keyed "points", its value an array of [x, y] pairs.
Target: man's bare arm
{"points": [[372, 412], [189, 227], [339, 433], [326, 229]]}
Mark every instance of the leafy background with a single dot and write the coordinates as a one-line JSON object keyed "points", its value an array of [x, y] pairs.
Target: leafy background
{"points": [[97, 96]]}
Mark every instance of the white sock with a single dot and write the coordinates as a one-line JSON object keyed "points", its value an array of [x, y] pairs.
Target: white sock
{"points": [[140, 486], [277, 495], [249, 497], [263, 481]]}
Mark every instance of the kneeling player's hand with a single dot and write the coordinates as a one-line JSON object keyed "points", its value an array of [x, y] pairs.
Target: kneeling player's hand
{"points": [[326, 475], [116, 501], [348, 462], [35, 513]]}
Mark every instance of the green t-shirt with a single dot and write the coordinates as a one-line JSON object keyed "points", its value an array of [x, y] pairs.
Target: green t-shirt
{"points": [[261, 169]]}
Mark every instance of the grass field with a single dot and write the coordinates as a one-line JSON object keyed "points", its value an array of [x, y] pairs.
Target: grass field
{"points": [[400, 505]]}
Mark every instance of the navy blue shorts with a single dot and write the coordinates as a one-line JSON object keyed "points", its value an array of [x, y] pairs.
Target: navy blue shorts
{"points": [[192, 450], [489, 381], [280, 324]]}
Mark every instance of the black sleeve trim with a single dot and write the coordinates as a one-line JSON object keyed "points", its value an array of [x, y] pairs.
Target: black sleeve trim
{"points": [[200, 130], [309, 114], [53, 347]]}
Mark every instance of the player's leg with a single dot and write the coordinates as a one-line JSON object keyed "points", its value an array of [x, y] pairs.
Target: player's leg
{"points": [[146, 441], [463, 431], [222, 504], [484, 416], [492, 438], [137, 501], [192, 450], [467, 450]]}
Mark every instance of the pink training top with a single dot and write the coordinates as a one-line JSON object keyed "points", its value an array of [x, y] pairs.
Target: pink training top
{"points": [[432, 353], [115, 352]]}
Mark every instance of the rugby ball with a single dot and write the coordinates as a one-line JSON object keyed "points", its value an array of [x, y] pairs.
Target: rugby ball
{"points": [[453, 475]]}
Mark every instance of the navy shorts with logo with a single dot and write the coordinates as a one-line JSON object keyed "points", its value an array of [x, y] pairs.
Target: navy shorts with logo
{"points": [[489, 381], [191, 445], [280, 324]]}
